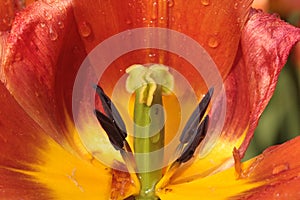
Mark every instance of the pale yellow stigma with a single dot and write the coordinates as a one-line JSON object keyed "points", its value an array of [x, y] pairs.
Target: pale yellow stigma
{"points": [[145, 80]]}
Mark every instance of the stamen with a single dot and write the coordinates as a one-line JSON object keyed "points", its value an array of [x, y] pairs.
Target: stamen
{"points": [[114, 127], [193, 133], [189, 130], [115, 136], [111, 111], [194, 142]]}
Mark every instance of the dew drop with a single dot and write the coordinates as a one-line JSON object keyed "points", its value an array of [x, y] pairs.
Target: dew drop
{"points": [[47, 15], [236, 5], [7, 21], [42, 25], [85, 29], [152, 55], [213, 42], [205, 2], [53, 34], [280, 168], [170, 3], [154, 11], [60, 24], [161, 19], [60, 8], [155, 138], [276, 195]]}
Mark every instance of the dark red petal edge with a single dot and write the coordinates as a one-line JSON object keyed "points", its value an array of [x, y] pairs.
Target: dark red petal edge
{"points": [[265, 45], [43, 53]]}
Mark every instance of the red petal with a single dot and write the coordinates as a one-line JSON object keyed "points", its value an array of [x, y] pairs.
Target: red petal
{"points": [[34, 167], [42, 56], [20, 137], [279, 169], [273, 175], [216, 25], [266, 43]]}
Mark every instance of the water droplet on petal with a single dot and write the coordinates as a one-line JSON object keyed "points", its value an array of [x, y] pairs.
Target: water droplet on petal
{"points": [[85, 29], [205, 2], [53, 34], [236, 5], [152, 55], [7, 21], [60, 8], [170, 3], [47, 15], [42, 25], [280, 168], [213, 42], [161, 19], [60, 24], [154, 11]]}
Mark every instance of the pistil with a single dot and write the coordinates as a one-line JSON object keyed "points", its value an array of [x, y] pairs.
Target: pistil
{"points": [[149, 85]]}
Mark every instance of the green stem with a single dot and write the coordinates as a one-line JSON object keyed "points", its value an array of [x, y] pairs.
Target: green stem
{"points": [[147, 121]]}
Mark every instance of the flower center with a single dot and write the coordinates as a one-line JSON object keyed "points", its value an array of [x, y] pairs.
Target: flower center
{"points": [[149, 84]]}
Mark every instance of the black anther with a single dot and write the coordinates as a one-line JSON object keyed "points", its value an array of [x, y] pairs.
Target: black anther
{"points": [[194, 142]]}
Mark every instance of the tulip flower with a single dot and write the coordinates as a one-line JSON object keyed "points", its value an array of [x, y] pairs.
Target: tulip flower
{"points": [[44, 155]]}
